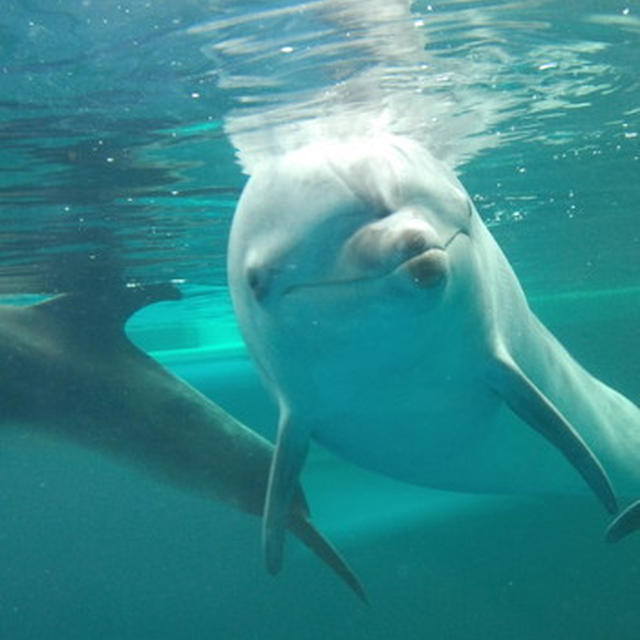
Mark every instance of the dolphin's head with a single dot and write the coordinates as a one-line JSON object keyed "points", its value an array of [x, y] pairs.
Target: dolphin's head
{"points": [[341, 230], [347, 213]]}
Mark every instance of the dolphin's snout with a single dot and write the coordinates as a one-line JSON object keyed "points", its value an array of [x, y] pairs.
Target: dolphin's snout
{"points": [[427, 269], [384, 245], [419, 252], [425, 258], [413, 242]]}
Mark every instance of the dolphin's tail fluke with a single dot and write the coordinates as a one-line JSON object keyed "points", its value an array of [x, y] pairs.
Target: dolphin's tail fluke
{"points": [[303, 528]]}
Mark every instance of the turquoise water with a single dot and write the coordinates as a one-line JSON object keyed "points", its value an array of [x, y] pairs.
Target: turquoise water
{"points": [[120, 124]]}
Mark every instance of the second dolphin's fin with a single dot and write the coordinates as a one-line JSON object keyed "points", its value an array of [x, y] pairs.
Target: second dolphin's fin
{"points": [[102, 314], [303, 528]]}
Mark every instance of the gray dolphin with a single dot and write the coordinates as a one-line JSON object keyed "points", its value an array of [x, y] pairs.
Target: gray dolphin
{"points": [[390, 327], [70, 371]]}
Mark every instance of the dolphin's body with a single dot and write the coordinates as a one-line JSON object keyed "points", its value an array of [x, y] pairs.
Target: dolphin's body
{"points": [[390, 327], [70, 371]]}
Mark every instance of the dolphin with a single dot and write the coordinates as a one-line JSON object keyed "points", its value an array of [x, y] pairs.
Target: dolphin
{"points": [[390, 327], [70, 371]]}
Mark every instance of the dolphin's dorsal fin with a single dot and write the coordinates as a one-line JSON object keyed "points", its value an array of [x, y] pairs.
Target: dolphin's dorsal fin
{"points": [[527, 401], [105, 309]]}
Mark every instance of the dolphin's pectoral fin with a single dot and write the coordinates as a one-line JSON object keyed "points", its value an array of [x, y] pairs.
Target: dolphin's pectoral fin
{"points": [[627, 522], [528, 402], [289, 456]]}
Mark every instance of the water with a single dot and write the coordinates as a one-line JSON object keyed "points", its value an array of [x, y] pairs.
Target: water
{"points": [[120, 123]]}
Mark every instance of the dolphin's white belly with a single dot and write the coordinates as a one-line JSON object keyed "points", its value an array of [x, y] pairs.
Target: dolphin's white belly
{"points": [[416, 428], [468, 441]]}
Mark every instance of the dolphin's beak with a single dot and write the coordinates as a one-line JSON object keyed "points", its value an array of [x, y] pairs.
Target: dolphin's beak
{"points": [[427, 269]]}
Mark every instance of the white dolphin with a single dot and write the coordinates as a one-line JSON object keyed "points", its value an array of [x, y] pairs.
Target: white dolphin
{"points": [[390, 327]]}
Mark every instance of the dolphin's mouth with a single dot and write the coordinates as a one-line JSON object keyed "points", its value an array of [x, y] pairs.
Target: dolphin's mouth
{"points": [[453, 237], [426, 269]]}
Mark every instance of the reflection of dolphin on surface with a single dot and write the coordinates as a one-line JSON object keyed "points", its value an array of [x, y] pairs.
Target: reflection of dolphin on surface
{"points": [[391, 328], [70, 371]]}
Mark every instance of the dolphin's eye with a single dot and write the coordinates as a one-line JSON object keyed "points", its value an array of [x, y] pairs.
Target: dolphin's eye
{"points": [[258, 280], [253, 277]]}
